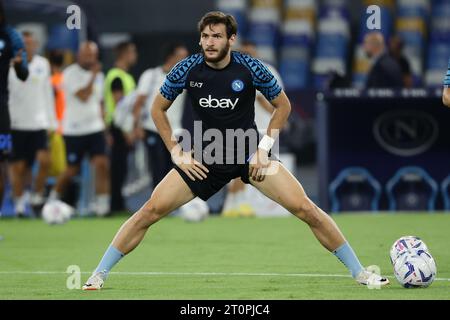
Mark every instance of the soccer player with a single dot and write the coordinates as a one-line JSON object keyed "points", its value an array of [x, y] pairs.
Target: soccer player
{"points": [[12, 51], [221, 85], [446, 90], [83, 125], [31, 107]]}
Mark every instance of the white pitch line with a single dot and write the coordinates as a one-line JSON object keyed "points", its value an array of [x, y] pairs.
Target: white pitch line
{"points": [[227, 274]]}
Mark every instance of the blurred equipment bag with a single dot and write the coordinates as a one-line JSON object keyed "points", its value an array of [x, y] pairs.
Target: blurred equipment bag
{"points": [[57, 155]]}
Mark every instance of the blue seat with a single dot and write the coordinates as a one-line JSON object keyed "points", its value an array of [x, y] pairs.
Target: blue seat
{"points": [[412, 188], [288, 39], [438, 56], [295, 73], [354, 189], [440, 9], [412, 38], [332, 46], [412, 11], [334, 11], [263, 34], [445, 190]]}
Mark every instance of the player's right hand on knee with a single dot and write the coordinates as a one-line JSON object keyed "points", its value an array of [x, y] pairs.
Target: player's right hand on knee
{"points": [[188, 164]]}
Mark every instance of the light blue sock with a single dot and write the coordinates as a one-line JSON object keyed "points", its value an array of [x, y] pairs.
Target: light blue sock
{"points": [[111, 257], [348, 257]]}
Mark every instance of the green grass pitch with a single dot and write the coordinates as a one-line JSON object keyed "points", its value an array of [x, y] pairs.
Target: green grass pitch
{"points": [[220, 258]]}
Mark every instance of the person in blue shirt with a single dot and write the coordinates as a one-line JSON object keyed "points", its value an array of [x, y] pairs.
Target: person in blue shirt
{"points": [[221, 85], [12, 51]]}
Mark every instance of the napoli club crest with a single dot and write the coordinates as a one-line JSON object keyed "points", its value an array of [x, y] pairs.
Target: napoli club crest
{"points": [[237, 85]]}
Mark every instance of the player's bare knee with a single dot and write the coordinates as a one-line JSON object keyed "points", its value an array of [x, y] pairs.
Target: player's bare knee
{"points": [[307, 211], [150, 213]]}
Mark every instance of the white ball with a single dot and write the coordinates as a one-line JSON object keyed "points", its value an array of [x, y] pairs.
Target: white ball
{"points": [[415, 269], [404, 244], [195, 210], [57, 212]]}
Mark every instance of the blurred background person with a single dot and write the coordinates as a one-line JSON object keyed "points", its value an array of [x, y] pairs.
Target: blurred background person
{"points": [[237, 201], [12, 51], [119, 83], [150, 82], [385, 71], [58, 161], [31, 107], [83, 125], [396, 52]]}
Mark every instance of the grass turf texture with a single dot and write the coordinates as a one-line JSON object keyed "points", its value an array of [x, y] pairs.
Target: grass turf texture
{"points": [[244, 258]]}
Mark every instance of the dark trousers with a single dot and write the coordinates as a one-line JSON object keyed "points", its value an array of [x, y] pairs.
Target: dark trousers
{"points": [[118, 168], [159, 160]]}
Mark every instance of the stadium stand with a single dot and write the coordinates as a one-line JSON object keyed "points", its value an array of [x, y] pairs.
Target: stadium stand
{"points": [[308, 39]]}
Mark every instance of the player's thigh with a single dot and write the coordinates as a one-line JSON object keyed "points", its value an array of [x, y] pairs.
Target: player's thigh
{"points": [[170, 194], [282, 187]]}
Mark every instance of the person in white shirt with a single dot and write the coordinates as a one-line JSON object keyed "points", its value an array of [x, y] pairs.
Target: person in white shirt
{"points": [[236, 201], [31, 107], [83, 125], [150, 81]]}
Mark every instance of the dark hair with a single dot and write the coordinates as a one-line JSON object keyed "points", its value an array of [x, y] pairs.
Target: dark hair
{"points": [[217, 17], [169, 49], [122, 47], [56, 58], [2, 14]]}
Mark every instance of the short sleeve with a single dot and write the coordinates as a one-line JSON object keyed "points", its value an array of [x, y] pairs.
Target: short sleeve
{"points": [[144, 83], [176, 79], [447, 76], [276, 75], [263, 79]]}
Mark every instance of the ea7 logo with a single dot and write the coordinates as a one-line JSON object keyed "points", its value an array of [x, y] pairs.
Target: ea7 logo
{"points": [[194, 84]]}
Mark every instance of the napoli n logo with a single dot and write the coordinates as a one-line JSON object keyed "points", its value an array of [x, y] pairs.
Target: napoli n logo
{"points": [[237, 85]]}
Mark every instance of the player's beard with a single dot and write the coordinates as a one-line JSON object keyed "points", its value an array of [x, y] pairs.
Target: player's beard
{"points": [[221, 55]]}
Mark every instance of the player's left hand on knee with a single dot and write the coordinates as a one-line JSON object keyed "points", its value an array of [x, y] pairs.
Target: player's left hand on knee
{"points": [[258, 165]]}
